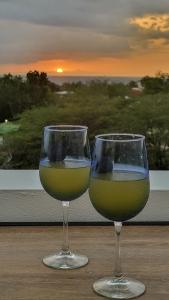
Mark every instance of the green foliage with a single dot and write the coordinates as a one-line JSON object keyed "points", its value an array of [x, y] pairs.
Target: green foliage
{"points": [[12, 95], [26, 142], [157, 84], [118, 89], [102, 106], [132, 84], [18, 94], [8, 127], [148, 116], [36, 78]]}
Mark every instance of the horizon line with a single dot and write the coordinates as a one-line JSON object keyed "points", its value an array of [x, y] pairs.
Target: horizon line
{"points": [[72, 75]]}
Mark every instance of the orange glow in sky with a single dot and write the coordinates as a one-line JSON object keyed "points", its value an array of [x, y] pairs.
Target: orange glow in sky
{"points": [[136, 65], [144, 52]]}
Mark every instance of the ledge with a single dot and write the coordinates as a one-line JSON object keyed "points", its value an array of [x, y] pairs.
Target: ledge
{"points": [[22, 199]]}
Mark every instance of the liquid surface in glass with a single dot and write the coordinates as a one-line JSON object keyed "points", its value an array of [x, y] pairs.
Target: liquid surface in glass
{"points": [[120, 195], [65, 180]]}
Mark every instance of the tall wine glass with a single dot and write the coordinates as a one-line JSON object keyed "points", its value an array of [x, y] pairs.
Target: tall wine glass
{"points": [[64, 173], [119, 190]]}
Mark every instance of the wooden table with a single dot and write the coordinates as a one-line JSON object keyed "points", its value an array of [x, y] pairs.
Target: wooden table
{"points": [[145, 256]]}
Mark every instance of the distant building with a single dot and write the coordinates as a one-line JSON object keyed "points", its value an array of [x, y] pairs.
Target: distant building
{"points": [[63, 93], [136, 91]]}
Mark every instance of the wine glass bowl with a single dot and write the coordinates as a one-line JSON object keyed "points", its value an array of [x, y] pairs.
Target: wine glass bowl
{"points": [[64, 173], [119, 190]]}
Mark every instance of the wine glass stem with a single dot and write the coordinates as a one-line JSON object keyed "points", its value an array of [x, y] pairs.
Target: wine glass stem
{"points": [[117, 268], [65, 210]]}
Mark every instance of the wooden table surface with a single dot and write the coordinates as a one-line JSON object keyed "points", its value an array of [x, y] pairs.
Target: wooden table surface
{"points": [[145, 256]]}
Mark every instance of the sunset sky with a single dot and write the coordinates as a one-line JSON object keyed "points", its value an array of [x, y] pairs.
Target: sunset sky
{"points": [[84, 37]]}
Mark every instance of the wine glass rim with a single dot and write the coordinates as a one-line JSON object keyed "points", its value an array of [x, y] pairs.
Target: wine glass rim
{"points": [[67, 128], [132, 137]]}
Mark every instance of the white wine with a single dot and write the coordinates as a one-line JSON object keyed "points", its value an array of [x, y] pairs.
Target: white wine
{"points": [[65, 180], [119, 196]]}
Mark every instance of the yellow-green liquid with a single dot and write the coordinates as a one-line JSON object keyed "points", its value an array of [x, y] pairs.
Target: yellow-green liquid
{"points": [[119, 196], [65, 181]]}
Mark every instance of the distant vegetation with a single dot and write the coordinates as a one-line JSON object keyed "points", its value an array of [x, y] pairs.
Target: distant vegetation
{"points": [[33, 102]]}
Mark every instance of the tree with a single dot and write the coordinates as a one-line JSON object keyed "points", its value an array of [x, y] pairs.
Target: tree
{"points": [[38, 88], [132, 84], [12, 96], [157, 84], [118, 89], [100, 106], [17, 94]]}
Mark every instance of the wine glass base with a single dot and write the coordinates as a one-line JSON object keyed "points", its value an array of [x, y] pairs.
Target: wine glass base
{"points": [[119, 288], [65, 260]]}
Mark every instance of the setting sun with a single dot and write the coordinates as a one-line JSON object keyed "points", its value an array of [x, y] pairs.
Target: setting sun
{"points": [[59, 70]]}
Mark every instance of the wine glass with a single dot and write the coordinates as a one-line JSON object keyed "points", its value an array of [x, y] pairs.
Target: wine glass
{"points": [[64, 173], [119, 190]]}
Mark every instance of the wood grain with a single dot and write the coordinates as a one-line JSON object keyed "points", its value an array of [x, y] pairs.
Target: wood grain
{"points": [[145, 256]]}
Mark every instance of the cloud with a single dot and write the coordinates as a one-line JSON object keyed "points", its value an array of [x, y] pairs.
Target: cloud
{"points": [[32, 30], [97, 15], [152, 32], [155, 22], [142, 7], [107, 15], [38, 42]]}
